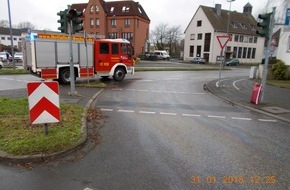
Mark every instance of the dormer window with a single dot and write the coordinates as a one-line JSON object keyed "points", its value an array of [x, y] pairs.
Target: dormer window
{"points": [[112, 9], [243, 26], [234, 24], [140, 11], [125, 9], [97, 9]]}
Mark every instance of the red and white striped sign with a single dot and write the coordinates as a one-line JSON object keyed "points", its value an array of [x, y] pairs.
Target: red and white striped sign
{"points": [[43, 99]]}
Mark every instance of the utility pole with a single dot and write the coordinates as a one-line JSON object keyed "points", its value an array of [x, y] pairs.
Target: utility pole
{"points": [[267, 55]]}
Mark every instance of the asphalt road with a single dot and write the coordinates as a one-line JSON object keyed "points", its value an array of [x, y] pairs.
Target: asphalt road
{"points": [[163, 131]]}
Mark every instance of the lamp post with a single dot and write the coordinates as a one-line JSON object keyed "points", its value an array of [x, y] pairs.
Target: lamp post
{"points": [[11, 36]]}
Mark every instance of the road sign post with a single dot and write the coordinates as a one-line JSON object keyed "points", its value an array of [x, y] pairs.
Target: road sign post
{"points": [[223, 40], [43, 100]]}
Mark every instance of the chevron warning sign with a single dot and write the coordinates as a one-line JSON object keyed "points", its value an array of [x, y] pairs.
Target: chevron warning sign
{"points": [[43, 100]]}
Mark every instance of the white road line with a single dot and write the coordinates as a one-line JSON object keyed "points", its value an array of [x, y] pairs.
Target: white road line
{"points": [[268, 120], [144, 80], [143, 90], [234, 83], [147, 112], [102, 109], [216, 116], [166, 113], [241, 118], [126, 111], [117, 89], [191, 115], [171, 78]]}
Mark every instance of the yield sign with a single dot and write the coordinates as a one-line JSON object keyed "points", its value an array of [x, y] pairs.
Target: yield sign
{"points": [[43, 99], [223, 40]]}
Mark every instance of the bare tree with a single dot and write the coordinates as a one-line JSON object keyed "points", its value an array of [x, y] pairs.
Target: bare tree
{"points": [[26, 25], [4, 23], [159, 36], [174, 35]]}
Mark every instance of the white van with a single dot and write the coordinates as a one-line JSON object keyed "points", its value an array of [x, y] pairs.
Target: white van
{"points": [[162, 54]]}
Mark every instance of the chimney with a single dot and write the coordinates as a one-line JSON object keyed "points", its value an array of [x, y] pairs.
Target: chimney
{"points": [[248, 9], [218, 9]]}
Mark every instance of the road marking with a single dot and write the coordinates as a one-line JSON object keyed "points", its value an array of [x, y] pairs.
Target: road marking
{"points": [[147, 112], [191, 115], [102, 109], [144, 80], [117, 89], [241, 118], [234, 83], [143, 90], [216, 116], [166, 113], [268, 120], [126, 111], [184, 114]]}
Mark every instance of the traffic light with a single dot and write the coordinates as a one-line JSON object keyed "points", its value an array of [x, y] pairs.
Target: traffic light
{"points": [[63, 21], [264, 25], [77, 22]]}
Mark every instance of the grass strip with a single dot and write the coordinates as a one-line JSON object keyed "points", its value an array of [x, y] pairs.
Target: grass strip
{"points": [[19, 137]]}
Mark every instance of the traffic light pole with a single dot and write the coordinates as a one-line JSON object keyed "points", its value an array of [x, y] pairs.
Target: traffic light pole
{"points": [[267, 55], [72, 72]]}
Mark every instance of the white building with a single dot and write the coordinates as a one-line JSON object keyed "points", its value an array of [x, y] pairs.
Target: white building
{"points": [[5, 37], [210, 22]]}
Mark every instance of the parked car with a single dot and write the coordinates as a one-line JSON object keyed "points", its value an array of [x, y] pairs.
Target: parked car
{"points": [[3, 56], [18, 56], [198, 60], [234, 61], [162, 54]]}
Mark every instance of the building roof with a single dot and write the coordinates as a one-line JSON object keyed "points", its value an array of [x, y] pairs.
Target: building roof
{"points": [[231, 21], [6, 31], [118, 8]]}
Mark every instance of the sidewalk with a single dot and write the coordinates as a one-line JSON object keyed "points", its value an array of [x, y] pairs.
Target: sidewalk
{"points": [[238, 91]]}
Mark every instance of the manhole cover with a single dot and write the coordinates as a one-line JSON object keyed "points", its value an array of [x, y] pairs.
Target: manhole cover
{"points": [[276, 110]]}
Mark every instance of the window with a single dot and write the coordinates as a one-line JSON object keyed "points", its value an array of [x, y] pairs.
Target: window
{"points": [[127, 22], [207, 39], [241, 38], [236, 38], [91, 22], [191, 51], [192, 36], [198, 51], [245, 52], [199, 36], [254, 53], [113, 22], [199, 23], [97, 9], [243, 25], [115, 48], [112, 9], [113, 35], [234, 24], [125, 9], [229, 48], [2, 38], [140, 11], [240, 52], [104, 48], [235, 52], [251, 39], [249, 53], [127, 35], [97, 22], [92, 9], [255, 40]]}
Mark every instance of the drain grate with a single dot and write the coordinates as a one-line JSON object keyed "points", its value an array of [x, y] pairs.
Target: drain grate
{"points": [[276, 110]]}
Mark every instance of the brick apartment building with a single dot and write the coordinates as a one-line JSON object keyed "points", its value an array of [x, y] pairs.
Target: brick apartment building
{"points": [[117, 19]]}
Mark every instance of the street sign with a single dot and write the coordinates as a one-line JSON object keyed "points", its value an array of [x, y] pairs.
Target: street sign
{"points": [[223, 40], [43, 100]]}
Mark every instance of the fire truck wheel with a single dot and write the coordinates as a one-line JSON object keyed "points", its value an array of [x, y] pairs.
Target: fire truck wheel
{"points": [[119, 74], [64, 76]]}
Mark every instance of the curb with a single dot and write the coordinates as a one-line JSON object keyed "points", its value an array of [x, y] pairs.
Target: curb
{"points": [[206, 87], [37, 158]]}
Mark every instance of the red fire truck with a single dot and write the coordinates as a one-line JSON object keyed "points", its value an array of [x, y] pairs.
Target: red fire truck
{"points": [[48, 55]]}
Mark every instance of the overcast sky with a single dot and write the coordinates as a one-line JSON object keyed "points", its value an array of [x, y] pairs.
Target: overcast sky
{"points": [[43, 13]]}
